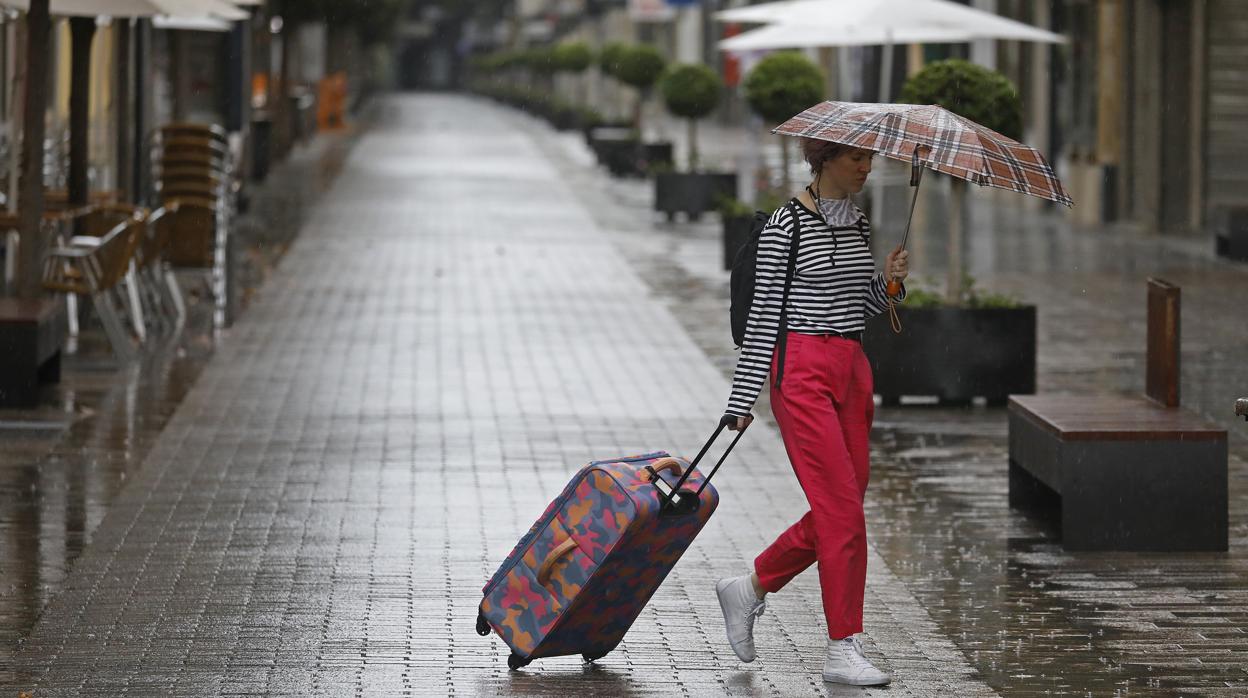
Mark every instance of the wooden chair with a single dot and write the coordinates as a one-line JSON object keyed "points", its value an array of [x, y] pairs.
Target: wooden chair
{"points": [[95, 271], [1128, 472]]}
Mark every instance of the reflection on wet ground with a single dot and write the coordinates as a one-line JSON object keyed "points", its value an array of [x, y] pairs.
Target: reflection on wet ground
{"points": [[63, 463], [1029, 615]]}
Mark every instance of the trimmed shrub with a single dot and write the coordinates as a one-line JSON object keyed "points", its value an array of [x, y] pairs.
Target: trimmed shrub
{"points": [[783, 84], [690, 91], [984, 96], [573, 57], [639, 66], [609, 57]]}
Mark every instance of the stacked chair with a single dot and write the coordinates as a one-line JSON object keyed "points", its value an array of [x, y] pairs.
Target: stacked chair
{"points": [[194, 179]]}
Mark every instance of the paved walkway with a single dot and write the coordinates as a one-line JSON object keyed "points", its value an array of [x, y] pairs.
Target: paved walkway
{"points": [[449, 339]]}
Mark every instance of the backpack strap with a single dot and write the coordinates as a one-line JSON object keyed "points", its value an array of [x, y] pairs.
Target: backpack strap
{"points": [[783, 339]]}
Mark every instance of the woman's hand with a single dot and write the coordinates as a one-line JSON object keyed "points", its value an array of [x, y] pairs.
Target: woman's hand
{"points": [[739, 424], [897, 266]]}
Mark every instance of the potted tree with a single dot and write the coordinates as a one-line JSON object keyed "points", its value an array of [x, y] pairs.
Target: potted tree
{"points": [[573, 59], [637, 66], [781, 85], [963, 343], [692, 92]]}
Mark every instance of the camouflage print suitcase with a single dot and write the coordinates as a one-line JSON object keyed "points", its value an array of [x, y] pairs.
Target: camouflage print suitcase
{"points": [[577, 580]]}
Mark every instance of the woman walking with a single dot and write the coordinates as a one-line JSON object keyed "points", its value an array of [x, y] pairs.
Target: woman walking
{"points": [[823, 405]]}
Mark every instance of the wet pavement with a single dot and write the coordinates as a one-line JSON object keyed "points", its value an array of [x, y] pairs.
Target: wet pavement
{"points": [[472, 311]]}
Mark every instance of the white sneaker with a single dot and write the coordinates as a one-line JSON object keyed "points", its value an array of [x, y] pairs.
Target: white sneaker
{"points": [[845, 663], [740, 606]]}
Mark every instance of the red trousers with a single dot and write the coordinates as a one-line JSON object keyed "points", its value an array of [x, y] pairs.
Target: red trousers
{"points": [[824, 410]]}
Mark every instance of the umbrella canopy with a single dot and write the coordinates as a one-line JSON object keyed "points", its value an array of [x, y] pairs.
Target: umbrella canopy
{"points": [[781, 36], [884, 16], [220, 9], [943, 141]]}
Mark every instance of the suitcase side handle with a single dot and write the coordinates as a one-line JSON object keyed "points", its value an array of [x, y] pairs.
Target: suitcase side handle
{"points": [[663, 464], [543, 573]]}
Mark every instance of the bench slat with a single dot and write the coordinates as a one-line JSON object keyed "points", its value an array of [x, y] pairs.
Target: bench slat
{"points": [[1113, 418]]}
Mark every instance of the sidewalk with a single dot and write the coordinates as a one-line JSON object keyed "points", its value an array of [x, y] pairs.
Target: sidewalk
{"points": [[450, 337], [474, 311]]}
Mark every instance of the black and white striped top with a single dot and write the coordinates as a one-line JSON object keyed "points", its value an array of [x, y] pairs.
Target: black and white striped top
{"points": [[835, 289]]}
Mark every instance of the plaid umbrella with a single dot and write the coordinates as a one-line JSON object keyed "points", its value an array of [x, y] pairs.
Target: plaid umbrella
{"points": [[933, 136]]}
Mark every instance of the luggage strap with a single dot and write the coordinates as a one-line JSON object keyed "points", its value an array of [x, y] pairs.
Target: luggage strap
{"points": [[723, 422]]}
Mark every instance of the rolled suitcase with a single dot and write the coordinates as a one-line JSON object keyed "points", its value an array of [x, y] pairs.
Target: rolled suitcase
{"points": [[578, 579]]}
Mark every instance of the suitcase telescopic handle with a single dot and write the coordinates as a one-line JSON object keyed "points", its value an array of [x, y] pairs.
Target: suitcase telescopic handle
{"points": [[667, 501]]}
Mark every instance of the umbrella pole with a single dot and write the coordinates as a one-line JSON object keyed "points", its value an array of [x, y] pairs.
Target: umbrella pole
{"points": [[916, 178]]}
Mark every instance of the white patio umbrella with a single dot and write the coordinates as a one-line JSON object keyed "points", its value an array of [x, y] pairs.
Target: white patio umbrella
{"points": [[875, 16], [781, 36]]}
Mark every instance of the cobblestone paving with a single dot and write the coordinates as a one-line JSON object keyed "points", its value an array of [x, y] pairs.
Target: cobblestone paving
{"points": [[1031, 618], [449, 339]]}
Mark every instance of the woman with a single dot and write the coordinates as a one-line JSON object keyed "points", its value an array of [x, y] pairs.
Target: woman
{"points": [[824, 404]]}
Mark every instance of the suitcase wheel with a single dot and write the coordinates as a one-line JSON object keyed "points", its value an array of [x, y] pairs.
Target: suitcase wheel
{"points": [[593, 657], [483, 626], [515, 661]]}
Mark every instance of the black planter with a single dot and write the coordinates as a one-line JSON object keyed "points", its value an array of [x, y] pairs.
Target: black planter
{"points": [[618, 155], [691, 192], [603, 129], [736, 232], [955, 354], [657, 155], [626, 156], [1233, 243]]}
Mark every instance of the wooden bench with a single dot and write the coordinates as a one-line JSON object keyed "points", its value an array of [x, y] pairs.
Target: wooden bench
{"points": [[1132, 473], [32, 335]]}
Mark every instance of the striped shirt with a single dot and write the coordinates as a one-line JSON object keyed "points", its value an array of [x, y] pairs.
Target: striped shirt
{"points": [[835, 288]]}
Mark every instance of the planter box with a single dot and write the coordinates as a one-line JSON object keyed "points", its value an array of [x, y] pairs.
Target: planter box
{"points": [[657, 155], [691, 192], [955, 354], [736, 232], [624, 156], [1233, 243], [605, 129]]}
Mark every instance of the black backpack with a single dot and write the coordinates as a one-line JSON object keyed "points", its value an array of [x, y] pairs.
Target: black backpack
{"points": [[741, 283]]}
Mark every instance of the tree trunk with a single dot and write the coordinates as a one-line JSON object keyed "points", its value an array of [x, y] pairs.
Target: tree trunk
{"points": [[957, 218], [30, 188], [82, 31], [784, 165], [693, 145], [282, 130]]}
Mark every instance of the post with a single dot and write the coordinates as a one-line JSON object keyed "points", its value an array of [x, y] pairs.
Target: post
{"points": [[82, 31], [30, 188], [1162, 372]]}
